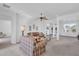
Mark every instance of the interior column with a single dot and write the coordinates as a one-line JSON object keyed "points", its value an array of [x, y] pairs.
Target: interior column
{"points": [[57, 28], [13, 26]]}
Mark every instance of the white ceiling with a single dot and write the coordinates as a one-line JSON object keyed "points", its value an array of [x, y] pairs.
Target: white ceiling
{"points": [[49, 9], [5, 13]]}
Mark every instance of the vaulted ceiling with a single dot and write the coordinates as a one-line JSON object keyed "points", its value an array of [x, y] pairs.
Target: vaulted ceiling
{"points": [[5, 13], [49, 9]]}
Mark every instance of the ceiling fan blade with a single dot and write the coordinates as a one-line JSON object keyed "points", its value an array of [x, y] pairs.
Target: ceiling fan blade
{"points": [[45, 18], [37, 18]]}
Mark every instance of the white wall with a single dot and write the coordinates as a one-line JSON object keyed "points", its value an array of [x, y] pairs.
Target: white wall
{"points": [[5, 26]]}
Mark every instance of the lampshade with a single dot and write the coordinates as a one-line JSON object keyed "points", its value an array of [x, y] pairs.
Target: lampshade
{"points": [[23, 28]]}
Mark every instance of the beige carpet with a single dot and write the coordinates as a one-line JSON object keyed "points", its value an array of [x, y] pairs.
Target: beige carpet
{"points": [[66, 46]]}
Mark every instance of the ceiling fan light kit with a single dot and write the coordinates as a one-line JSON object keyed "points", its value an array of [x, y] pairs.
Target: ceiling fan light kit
{"points": [[43, 17]]}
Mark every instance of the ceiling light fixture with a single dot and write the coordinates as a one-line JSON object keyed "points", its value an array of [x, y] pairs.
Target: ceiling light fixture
{"points": [[43, 17]]}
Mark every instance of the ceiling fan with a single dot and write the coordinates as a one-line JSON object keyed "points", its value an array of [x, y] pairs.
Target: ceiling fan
{"points": [[43, 17]]}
